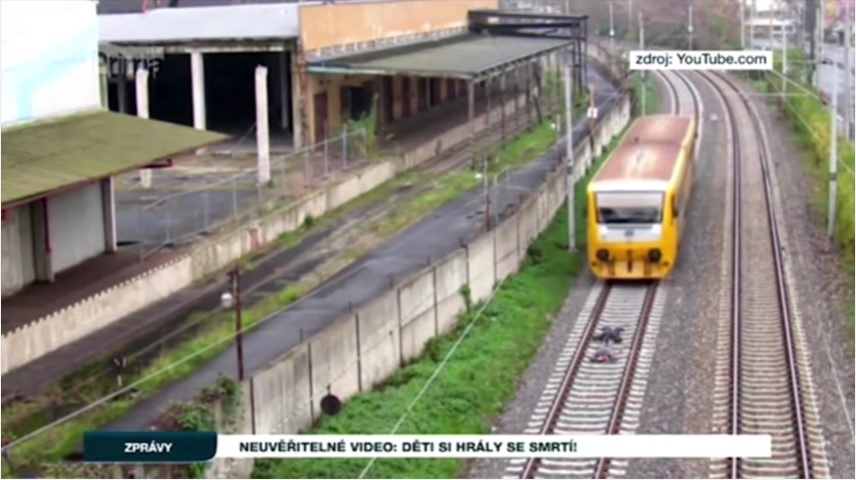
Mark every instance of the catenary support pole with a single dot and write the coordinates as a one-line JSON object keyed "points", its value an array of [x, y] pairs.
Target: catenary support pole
{"points": [[569, 153], [833, 161], [690, 26], [784, 66], [611, 31], [848, 76], [742, 25], [642, 47]]}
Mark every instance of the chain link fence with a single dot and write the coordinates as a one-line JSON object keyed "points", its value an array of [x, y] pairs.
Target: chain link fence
{"points": [[177, 218]]}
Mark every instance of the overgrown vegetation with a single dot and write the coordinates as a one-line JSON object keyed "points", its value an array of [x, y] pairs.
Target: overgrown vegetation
{"points": [[811, 120], [478, 381], [369, 125], [218, 407]]}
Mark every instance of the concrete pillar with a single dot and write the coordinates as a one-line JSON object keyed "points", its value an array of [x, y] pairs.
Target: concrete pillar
{"points": [[262, 133], [109, 203], [142, 90], [502, 80], [104, 83], [122, 88], [488, 86], [284, 88], [296, 101], [42, 248], [471, 111], [197, 80]]}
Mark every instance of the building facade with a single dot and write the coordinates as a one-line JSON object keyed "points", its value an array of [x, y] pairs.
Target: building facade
{"points": [[50, 49], [61, 148]]}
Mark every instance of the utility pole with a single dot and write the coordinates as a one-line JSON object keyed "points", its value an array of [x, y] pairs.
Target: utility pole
{"points": [[642, 47], [229, 299], [810, 20], [611, 30], [569, 154], [784, 64], [743, 24], [690, 26], [848, 77], [818, 33], [629, 16], [833, 161], [752, 21]]}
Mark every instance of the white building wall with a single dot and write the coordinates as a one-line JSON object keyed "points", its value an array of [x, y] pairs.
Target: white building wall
{"points": [[76, 219], [49, 59], [17, 250]]}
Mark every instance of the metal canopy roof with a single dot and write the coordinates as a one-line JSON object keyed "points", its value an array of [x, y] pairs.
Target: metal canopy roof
{"points": [[179, 25], [464, 56], [43, 157]]}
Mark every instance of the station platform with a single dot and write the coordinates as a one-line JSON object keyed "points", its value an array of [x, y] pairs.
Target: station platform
{"points": [[75, 284]]}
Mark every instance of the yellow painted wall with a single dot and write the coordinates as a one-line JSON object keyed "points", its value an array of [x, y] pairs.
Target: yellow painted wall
{"points": [[333, 83], [330, 25]]}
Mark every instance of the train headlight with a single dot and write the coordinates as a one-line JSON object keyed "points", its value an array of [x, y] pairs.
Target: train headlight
{"points": [[603, 255], [655, 255]]}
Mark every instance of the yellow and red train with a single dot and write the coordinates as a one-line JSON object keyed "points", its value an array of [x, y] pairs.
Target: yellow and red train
{"points": [[637, 201]]}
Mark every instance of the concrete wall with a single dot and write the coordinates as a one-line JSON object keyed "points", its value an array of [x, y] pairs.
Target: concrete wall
{"points": [[17, 255], [321, 25], [75, 321], [50, 59], [366, 346], [76, 219]]}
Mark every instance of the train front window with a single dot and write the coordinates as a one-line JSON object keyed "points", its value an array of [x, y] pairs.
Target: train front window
{"points": [[629, 208]]}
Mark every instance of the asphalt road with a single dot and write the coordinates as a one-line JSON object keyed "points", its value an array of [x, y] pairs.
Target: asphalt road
{"points": [[434, 237]]}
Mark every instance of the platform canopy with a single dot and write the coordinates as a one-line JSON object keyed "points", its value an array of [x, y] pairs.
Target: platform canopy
{"points": [[468, 56], [44, 157]]}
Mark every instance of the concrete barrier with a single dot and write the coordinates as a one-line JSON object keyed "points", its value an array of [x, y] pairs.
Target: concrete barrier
{"points": [[450, 275], [60, 328], [380, 339], [481, 266], [332, 356], [363, 348], [417, 314]]}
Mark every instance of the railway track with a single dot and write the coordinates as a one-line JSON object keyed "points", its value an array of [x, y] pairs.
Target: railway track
{"points": [[587, 396], [763, 383]]}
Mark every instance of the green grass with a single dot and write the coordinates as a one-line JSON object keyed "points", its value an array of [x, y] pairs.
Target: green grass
{"points": [[475, 385], [478, 381], [213, 339]]}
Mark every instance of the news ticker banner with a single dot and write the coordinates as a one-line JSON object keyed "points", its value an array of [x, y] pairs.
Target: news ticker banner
{"points": [[192, 447], [700, 60]]}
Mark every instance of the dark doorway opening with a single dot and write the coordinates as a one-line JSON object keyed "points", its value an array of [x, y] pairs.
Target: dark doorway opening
{"points": [[230, 104], [388, 100], [406, 100], [356, 102]]}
